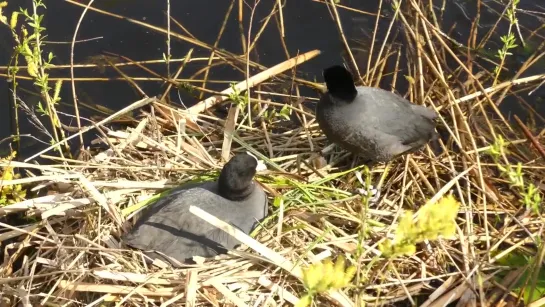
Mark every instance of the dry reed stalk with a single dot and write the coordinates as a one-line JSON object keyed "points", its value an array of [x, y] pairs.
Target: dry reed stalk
{"points": [[113, 289], [134, 106], [530, 137], [277, 259], [251, 82]]}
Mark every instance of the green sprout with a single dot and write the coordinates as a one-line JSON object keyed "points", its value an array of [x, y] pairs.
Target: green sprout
{"points": [[531, 196], [237, 98], [508, 39], [273, 115]]}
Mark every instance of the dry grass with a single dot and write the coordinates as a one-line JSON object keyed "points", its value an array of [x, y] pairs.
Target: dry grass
{"points": [[71, 255]]}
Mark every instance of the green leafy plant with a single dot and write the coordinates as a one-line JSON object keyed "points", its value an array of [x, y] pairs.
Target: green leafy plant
{"points": [[324, 276], [434, 220], [528, 264], [272, 114], [237, 98], [531, 196], [508, 39], [29, 45], [532, 200]]}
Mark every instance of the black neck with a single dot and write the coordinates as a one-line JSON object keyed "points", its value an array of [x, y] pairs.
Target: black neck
{"points": [[230, 192], [347, 94]]}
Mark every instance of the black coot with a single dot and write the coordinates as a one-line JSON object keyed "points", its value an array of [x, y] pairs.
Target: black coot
{"points": [[168, 226], [374, 123]]}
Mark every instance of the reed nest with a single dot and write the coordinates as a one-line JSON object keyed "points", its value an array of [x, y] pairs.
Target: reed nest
{"points": [[70, 254]]}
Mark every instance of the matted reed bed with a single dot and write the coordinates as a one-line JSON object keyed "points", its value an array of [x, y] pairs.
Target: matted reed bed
{"points": [[68, 253]]}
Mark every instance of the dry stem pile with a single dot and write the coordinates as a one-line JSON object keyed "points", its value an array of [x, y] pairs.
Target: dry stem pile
{"points": [[71, 253]]}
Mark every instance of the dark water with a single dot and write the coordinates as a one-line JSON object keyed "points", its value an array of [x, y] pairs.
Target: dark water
{"points": [[308, 25]]}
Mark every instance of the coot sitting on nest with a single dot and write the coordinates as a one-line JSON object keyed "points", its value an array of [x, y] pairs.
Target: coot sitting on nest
{"points": [[374, 123], [169, 228]]}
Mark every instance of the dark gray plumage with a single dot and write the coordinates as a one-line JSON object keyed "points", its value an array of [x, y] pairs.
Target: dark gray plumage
{"points": [[168, 226], [371, 122]]}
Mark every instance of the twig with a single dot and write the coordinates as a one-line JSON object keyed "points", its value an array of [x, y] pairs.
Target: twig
{"points": [[135, 105], [530, 137], [72, 45], [277, 259], [256, 79], [113, 289]]}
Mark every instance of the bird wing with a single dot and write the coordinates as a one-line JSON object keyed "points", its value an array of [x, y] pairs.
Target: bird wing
{"points": [[168, 226], [424, 111], [398, 117]]}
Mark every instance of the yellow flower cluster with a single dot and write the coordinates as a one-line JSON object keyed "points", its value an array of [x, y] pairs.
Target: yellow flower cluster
{"points": [[324, 276], [10, 193], [434, 220]]}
